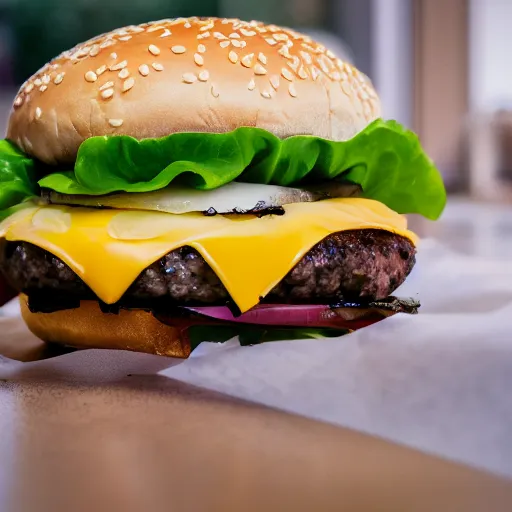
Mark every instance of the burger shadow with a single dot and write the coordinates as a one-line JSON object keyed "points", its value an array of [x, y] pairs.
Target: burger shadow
{"points": [[94, 367], [127, 382]]}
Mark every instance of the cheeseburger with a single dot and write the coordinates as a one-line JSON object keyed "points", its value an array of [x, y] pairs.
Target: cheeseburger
{"points": [[192, 179]]}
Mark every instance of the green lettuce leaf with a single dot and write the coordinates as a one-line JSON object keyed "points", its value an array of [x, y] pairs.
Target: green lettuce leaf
{"points": [[17, 178], [385, 159], [256, 334]]}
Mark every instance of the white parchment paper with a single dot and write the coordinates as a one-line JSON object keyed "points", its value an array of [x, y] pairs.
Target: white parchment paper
{"points": [[440, 381]]}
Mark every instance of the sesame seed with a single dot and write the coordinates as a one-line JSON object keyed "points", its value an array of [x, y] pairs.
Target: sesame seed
{"points": [[345, 87], [189, 78], [201, 48], [154, 28], [187, 25], [271, 41], [308, 47], [259, 70], [43, 88], [284, 51], [27, 143], [315, 72], [94, 50], [29, 88], [247, 60], [118, 65], [307, 57], [262, 58], [335, 75], [323, 65], [224, 44], [274, 81], [247, 33], [236, 43], [286, 73], [157, 66], [101, 70], [225, 21], [124, 73], [91, 76], [166, 33], [204, 75], [107, 43], [46, 79], [364, 96], [125, 38], [107, 93], [128, 84], [243, 44], [37, 82], [138, 29], [330, 54], [214, 92], [144, 69], [116, 123], [266, 94], [106, 85], [204, 35], [113, 55], [233, 57], [292, 90], [18, 101], [83, 52], [38, 113], [302, 73], [178, 49], [198, 59], [154, 50], [206, 27], [219, 35], [294, 64], [281, 37], [234, 35], [252, 84]]}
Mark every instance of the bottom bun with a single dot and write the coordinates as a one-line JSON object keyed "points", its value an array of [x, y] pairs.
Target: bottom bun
{"points": [[88, 327]]}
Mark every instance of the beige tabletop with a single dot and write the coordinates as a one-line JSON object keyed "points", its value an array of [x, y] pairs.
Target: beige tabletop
{"points": [[151, 443]]}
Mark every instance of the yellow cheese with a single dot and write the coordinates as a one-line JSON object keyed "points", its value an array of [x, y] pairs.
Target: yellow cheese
{"points": [[108, 249]]}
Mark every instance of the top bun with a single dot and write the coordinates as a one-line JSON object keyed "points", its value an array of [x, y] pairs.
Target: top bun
{"points": [[189, 75]]}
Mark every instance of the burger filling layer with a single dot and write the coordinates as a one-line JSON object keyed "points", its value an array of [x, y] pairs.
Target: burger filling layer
{"points": [[328, 249]]}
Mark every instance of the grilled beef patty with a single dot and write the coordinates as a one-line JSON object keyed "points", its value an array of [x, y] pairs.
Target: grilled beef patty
{"points": [[350, 265]]}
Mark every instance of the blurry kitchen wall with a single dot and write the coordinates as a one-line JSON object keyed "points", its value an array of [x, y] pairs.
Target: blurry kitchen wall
{"points": [[490, 100], [490, 78]]}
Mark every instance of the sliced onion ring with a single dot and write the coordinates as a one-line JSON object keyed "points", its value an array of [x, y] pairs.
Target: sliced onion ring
{"points": [[233, 197]]}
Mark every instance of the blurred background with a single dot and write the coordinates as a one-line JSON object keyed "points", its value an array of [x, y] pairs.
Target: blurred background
{"points": [[441, 67]]}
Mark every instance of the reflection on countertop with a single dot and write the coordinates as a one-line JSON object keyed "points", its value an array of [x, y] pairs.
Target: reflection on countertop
{"points": [[474, 228]]}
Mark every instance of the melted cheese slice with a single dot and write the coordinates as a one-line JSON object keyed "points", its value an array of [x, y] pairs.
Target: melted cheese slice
{"points": [[108, 249]]}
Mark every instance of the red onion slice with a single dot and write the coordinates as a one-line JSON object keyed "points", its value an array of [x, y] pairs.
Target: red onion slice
{"points": [[297, 315]]}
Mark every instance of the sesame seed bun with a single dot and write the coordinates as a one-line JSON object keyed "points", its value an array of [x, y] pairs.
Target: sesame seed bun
{"points": [[189, 75]]}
